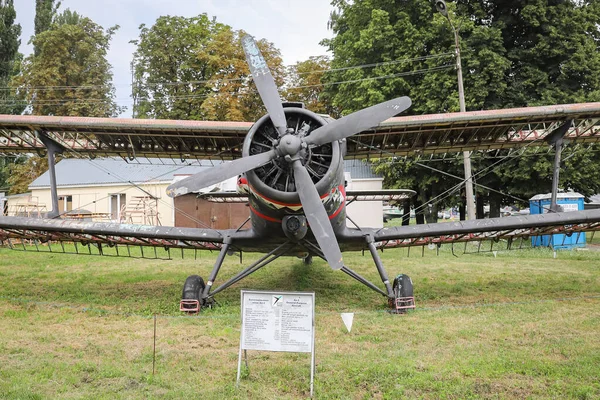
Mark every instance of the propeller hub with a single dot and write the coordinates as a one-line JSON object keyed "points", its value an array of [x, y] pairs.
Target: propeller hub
{"points": [[290, 145]]}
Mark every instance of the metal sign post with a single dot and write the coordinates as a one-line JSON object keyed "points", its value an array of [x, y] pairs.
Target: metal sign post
{"points": [[278, 321]]}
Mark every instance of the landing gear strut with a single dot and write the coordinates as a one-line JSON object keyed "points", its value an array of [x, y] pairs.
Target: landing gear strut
{"points": [[196, 295], [400, 293]]}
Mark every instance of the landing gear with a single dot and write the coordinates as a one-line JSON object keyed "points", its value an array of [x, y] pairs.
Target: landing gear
{"points": [[192, 292], [399, 294], [197, 295], [403, 295]]}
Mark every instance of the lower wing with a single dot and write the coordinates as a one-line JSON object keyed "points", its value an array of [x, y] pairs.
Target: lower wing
{"points": [[509, 228]]}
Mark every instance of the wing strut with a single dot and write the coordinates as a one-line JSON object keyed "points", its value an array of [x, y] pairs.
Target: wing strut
{"points": [[53, 148], [557, 138]]}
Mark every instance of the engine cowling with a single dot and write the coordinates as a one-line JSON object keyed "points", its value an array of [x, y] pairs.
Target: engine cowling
{"points": [[275, 180]]}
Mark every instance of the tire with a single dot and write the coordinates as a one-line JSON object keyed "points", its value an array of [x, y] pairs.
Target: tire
{"points": [[403, 286], [192, 288]]}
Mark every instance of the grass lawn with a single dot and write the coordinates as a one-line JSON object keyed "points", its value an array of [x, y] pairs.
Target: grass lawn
{"points": [[519, 325]]}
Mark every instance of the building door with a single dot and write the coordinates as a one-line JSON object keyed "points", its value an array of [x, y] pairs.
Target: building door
{"points": [[117, 201], [65, 203]]}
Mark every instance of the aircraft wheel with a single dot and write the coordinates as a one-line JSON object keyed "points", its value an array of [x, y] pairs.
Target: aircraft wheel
{"points": [[308, 260], [403, 290], [192, 290]]}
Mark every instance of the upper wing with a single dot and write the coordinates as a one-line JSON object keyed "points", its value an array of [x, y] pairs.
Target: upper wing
{"points": [[521, 226], [125, 137], [379, 195], [435, 133], [476, 130], [351, 195]]}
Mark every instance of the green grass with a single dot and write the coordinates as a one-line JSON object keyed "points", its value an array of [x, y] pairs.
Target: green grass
{"points": [[519, 325]]}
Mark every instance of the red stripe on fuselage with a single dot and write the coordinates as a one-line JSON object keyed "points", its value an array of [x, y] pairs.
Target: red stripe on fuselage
{"points": [[271, 219], [332, 216], [288, 204], [263, 216]]}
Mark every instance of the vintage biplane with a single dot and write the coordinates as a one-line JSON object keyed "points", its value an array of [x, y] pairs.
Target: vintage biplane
{"points": [[290, 163]]}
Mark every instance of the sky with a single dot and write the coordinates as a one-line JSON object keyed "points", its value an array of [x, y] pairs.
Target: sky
{"points": [[295, 27]]}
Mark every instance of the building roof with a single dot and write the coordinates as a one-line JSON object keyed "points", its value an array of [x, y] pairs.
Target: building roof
{"points": [[113, 171], [359, 169]]}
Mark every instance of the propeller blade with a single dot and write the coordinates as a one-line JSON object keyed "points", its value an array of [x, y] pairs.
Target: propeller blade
{"points": [[264, 83], [219, 173], [357, 121], [317, 216]]}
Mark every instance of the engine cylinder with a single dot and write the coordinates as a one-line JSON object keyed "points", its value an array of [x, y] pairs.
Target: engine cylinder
{"points": [[275, 180]]}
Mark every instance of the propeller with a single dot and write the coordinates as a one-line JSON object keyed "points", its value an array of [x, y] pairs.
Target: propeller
{"points": [[291, 148], [265, 84], [317, 216], [219, 173], [357, 121]]}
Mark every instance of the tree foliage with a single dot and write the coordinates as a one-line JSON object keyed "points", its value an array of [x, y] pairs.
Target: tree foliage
{"points": [[24, 171], [552, 47], [70, 75], [45, 10], [10, 58], [305, 81], [195, 68], [406, 48], [514, 53]]}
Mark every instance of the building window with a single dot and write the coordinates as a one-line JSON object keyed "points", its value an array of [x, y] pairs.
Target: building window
{"points": [[65, 203], [117, 202]]}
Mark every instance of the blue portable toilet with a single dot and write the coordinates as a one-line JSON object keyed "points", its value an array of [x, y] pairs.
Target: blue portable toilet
{"points": [[569, 201]]}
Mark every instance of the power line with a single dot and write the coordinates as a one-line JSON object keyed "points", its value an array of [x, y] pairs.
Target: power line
{"points": [[233, 94], [166, 83], [447, 193]]}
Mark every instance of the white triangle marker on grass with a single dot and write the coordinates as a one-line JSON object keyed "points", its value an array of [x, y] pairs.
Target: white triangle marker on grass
{"points": [[348, 318]]}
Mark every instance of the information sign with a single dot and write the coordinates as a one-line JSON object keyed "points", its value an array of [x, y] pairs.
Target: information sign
{"points": [[278, 321]]}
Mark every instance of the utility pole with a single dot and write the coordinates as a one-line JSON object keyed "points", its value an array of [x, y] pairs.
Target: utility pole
{"points": [[440, 5], [133, 91]]}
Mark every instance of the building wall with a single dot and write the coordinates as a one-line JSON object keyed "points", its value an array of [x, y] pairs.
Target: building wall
{"points": [[366, 214], [192, 212], [24, 205], [97, 199]]}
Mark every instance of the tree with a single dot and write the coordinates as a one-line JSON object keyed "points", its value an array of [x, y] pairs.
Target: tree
{"points": [[401, 173], [407, 49], [70, 75], [10, 58], [305, 83], [233, 96], [25, 171], [515, 53], [552, 47], [195, 68], [45, 10]]}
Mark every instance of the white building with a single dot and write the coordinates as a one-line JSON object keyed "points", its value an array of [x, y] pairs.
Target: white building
{"points": [[114, 190]]}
